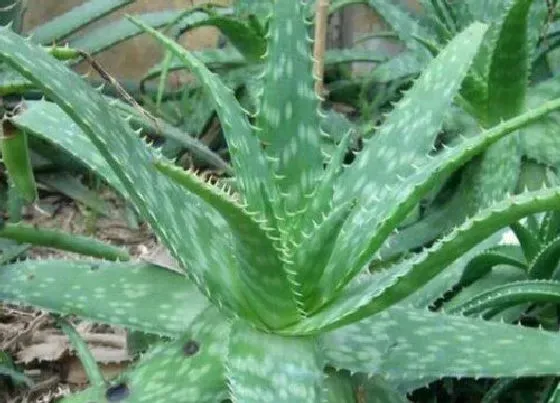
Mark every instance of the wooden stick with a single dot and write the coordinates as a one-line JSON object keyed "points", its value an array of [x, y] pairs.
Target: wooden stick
{"points": [[321, 19]]}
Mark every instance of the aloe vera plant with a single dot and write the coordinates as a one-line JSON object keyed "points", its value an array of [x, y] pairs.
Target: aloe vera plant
{"points": [[273, 291]]}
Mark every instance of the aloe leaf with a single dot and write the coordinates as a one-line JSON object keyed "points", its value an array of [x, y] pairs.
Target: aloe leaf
{"points": [[509, 68], [262, 270], [404, 65], [406, 27], [86, 358], [373, 293], [267, 367], [72, 187], [382, 153], [249, 42], [136, 295], [483, 263], [528, 240], [546, 260], [189, 369], [308, 258], [63, 25], [450, 276], [519, 292], [550, 226], [497, 277], [49, 122], [15, 375], [540, 141], [113, 33], [352, 254], [184, 226], [404, 343], [250, 165], [160, 127], [288, 118], [62, 240], [419, 119], [11, 12]]}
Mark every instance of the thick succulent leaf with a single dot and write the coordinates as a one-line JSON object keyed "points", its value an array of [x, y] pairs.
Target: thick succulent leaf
{"points": [[450, 276], [189, 369], [528, 240], [47, 121], [546, 261], [371, 226], [404, 65], [406, 27], [414, 122], [483, 263], [262, 270], [307, 259], [53, 238], [63, 25], [248, 41], [506, 295], [94, 374], [509, 68], [409, 344], [113, 33], [541, 140], [137, 295], [12, 12], [248, 159], [288, 118], [373, 293], [266, 367], [320, 204], [194, 234], [498, 276]]}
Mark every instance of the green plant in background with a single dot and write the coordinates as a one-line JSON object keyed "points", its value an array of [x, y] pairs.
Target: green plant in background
{"points": [[274, 300], [512, 64]]}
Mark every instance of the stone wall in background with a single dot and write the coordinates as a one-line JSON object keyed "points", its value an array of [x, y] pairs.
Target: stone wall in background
{"points": [[134, 57]]}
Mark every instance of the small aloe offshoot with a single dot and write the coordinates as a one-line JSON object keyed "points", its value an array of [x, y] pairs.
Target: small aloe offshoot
{"points": [[274, 291]]}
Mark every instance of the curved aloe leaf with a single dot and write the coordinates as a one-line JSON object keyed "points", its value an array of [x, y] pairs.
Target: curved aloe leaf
{"points": [[519, 292], [546, 261], [483, 263], [406, 27], [255, 244], [288, 118], [113, 33], [86, 358], [404, 197], [62, 240], [383, 155], [247, 157], [184, 225], [263, 367], [376, 292], [404, 343], [136, 295], [64, 25], [541, 140], [189, 369]]}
